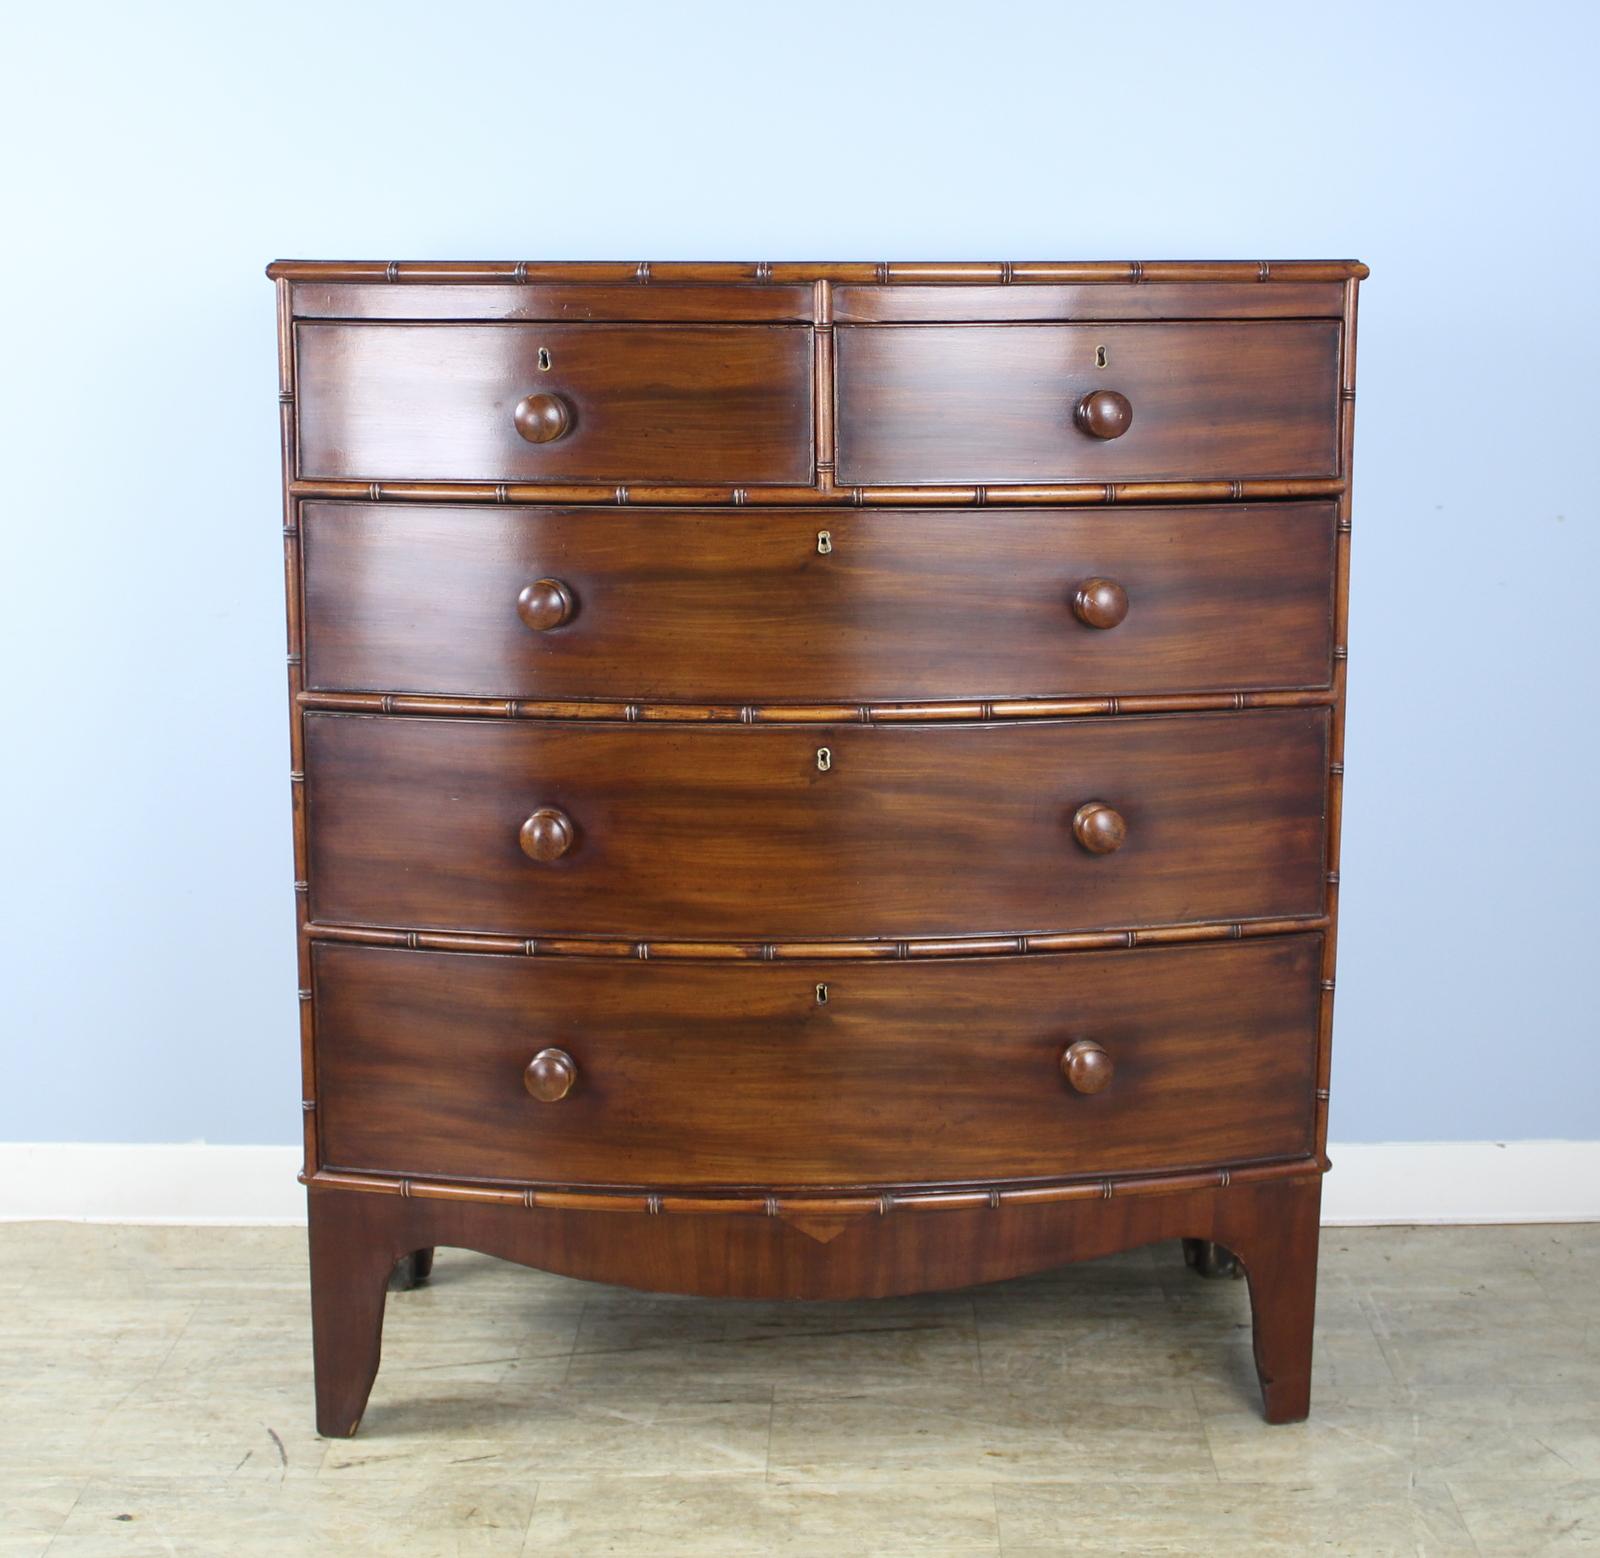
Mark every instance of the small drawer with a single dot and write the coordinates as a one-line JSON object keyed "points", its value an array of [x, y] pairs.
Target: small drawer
{"points": [[761, 833], [845, 607], [662, 1075], [1239, 400], [672, 404]]}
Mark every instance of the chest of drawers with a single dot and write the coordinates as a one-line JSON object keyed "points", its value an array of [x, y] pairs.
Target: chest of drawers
{"points": [[814, 781]]}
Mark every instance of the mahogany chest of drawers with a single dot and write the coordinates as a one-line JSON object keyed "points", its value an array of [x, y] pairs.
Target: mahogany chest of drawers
{"points": [[815, 780]]}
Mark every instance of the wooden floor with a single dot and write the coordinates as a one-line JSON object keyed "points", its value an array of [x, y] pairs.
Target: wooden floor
{"points": [[157, 1399]]}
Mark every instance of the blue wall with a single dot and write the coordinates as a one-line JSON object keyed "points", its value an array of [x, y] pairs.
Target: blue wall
{"points": [[159, 155]]}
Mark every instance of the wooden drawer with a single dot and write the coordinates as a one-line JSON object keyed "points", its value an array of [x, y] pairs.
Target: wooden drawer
{"points": [[743, 607], [696, 1074], [1238, 400], [664, 403], [738, 831]]}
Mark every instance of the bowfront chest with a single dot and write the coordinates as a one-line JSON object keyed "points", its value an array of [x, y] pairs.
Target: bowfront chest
{"points": [[815, 781]]}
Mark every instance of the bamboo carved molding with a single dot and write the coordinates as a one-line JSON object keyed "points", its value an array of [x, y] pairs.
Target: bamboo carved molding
{"points": [[825, 496], [826, 1204], [810, 951], [971, 710], [880, 272]]}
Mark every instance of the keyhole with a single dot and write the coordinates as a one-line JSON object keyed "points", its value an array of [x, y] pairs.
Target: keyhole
{"points": [[824, 759], [822, 995], [1099, 356], [824, 541], [544, 359]]}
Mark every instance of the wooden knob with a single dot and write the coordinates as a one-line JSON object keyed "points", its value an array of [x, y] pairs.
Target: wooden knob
{"points": [[1104, 414], [547, 835], [1098, 827], [551, 1073], [547, 603], [1099, 603], [542, 419], [1085, 1065]]}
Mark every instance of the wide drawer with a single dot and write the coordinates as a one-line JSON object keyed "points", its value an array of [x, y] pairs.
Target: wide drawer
{"points": [[815, 608], [1001, 403], [616, 403], [756, 832], [695, 1074]]}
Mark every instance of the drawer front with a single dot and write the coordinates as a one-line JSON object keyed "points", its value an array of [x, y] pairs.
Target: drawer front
{"points": [[746, 607], [622, 403], [770, 833], [695, 1074], [998, 403]]}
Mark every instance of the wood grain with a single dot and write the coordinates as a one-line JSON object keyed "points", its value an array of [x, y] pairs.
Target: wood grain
{"points": [[583, 302], [597, 935], [697, 605], [691, 303], [1093, 301], [954, 403], [730, 1075], [662, 403], [1270, 1225], [734, 830]]}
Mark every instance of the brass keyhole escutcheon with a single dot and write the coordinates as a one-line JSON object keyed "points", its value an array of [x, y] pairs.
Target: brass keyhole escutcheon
{"points": [[544, 359], [1099, 356], [824, 759], [822, 995], [824, 542]]}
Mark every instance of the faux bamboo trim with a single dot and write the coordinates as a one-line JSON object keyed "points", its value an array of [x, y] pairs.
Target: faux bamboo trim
{"points": [[972, 710], [779, 1204], [823, 388], [1341, 659], [883, 272], [878, 950], [825, 494], [295, 661]]}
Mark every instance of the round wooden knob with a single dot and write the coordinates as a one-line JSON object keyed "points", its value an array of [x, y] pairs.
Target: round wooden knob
{"points": [[547, 603], [551, 1073], [547, 835], [1100, 603], [1098, 827], [1085, 1065], [1104, 414], [542, 419]]}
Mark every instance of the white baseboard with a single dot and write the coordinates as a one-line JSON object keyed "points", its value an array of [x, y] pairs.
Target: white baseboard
{"points": [[1372, 1183], [118, 1182], [1462, 1182]]}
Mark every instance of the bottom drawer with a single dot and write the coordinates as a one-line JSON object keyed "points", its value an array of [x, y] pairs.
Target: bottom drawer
{"points": [[705, 1074]]}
